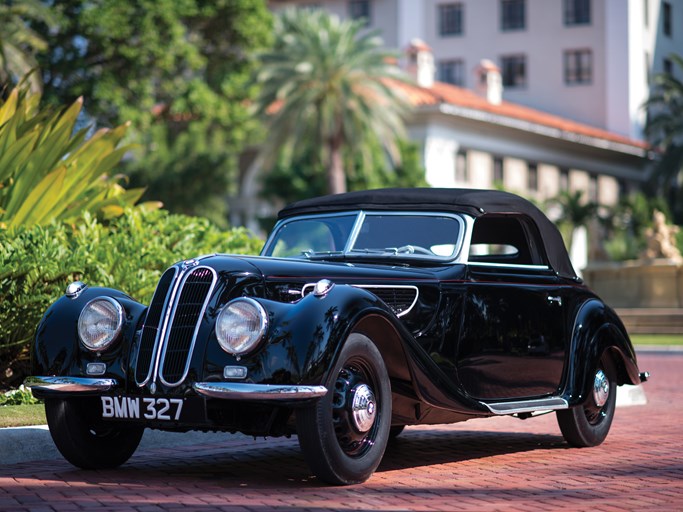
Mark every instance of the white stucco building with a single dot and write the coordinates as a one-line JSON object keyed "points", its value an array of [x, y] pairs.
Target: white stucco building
{"points": [[586, 60]]}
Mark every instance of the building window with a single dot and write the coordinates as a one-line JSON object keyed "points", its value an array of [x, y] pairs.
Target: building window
{"points": [[360, 10], [666, 18], [578, 67], [451, 19], [452, 72], [461, 172], [498, 174], [513, 68], [593, 188], [668, 66], [532, 177], [513, 14], [564, 179], [577, 12]]}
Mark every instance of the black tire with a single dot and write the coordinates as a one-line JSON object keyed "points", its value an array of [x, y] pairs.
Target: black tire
{"points": [[340, 448], [395, 431], [589, 424], [83, 439]]}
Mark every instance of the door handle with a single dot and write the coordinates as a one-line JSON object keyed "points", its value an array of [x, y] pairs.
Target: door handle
{"points": [[554, 300]]}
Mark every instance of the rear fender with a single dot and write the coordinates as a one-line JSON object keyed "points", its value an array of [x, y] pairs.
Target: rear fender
{"points": [[597, 331]]}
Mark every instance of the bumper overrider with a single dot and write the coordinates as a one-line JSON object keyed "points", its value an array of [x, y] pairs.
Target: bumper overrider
{"points": [[48, 385]]}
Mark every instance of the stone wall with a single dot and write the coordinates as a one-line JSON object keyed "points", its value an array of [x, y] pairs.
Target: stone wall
{"points": [[635, 284]]}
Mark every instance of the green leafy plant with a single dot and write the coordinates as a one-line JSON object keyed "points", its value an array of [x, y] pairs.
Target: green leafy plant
{"points": [[49, 172], [20, 396], [128, 253]]}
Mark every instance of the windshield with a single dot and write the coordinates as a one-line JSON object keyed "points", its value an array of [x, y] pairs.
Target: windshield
{"points": [[364, 234]]}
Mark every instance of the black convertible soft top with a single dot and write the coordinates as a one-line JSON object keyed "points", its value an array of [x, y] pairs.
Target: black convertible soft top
{"points": [[471, 201]]}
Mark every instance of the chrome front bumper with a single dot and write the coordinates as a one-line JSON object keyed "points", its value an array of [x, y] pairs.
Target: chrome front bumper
{"points": [[225, 390], [245, 391], [77, 385]]}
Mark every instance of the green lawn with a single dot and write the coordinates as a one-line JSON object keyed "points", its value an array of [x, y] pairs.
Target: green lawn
{"points": [[22, 415], [657, 339]]}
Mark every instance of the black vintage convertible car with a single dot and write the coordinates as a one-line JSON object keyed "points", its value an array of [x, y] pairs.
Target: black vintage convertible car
{"points": [[364, 313]]}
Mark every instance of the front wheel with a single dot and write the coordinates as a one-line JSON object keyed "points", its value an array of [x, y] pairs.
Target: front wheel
{"points": [[343, 437], [86, 441], [589, 424]]}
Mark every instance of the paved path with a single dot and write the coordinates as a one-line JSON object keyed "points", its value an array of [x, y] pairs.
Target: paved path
{"points": [[490, 464]]}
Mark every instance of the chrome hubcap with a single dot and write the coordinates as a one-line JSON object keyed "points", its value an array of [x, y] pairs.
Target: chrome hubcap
{"points": [[600, 388], [363, 407]]}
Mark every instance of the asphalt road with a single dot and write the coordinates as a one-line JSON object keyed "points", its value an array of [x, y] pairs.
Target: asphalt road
{"points": [[486, 464]]}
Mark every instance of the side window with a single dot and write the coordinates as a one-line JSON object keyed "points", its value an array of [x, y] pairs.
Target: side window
{"points": [[501, 239]]}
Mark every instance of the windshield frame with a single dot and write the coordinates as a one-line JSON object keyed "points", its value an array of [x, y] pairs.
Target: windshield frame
{"points": [[348, 252]]}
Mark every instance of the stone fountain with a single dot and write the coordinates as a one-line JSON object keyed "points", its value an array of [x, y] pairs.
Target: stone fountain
{"points": [[647, 292]]}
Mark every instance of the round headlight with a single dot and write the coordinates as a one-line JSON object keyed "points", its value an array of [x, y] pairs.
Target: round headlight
{"points": [[241, 325], [100, 323]]}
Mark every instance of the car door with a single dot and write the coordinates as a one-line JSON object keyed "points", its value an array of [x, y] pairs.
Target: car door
{"points": [[512, 342]]}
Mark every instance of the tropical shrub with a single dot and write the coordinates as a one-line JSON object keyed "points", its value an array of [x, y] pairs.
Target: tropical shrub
{"points": [[49, 171], [128, 253], [19, 396]]}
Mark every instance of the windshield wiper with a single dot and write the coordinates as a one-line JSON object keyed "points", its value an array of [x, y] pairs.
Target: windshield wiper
{"points": [[311, 255]]}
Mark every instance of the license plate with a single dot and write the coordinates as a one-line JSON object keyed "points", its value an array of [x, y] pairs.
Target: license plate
{"points": [[141, 408]]}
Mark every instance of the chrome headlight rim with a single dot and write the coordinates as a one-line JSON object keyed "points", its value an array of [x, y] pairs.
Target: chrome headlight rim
{"points": [[260, 333], [115, 334]]}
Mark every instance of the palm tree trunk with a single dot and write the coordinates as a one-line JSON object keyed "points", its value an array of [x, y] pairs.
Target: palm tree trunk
{"points": [[336, 178]]}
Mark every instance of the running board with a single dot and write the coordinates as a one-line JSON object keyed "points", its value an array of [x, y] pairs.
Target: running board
{"points": [[543, 404]]}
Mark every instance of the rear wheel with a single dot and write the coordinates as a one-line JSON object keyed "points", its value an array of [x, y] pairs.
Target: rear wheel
{"points": [[589, 424], [86, 441], [343, 437]]}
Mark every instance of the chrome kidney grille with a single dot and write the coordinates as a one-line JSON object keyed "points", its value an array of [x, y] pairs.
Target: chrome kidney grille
{"points": [[173, 319]]}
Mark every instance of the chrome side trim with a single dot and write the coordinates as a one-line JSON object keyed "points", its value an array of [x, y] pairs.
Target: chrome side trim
{"points": [[369, 287], [543, 404], [241, 390], [70, 384], [162, 359], [508, 265], [403, 287]]}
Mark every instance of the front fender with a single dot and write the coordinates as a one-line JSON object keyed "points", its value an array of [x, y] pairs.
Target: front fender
{"points": [[56, 349], [597, 330], [303, 339]]}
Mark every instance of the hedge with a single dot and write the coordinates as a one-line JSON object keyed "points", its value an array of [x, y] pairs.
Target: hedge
{"points": [[128, 253]]}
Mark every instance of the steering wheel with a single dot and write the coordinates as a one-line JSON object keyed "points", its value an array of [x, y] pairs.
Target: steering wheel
{"points": [[412, 249]]}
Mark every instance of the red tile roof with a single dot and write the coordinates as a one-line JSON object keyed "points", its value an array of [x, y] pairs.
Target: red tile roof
{"points": [[446, 94]]}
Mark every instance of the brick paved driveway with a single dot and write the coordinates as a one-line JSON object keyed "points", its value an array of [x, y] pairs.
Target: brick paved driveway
{"points": [[490, 464]]}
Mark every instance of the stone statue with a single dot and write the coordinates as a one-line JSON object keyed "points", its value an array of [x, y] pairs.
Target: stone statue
{"points": [[661, 240]]}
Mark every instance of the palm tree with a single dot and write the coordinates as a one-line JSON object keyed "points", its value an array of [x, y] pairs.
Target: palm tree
{"points": [[664, 130], [19, 43], [328, 86], [574, 213]]}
